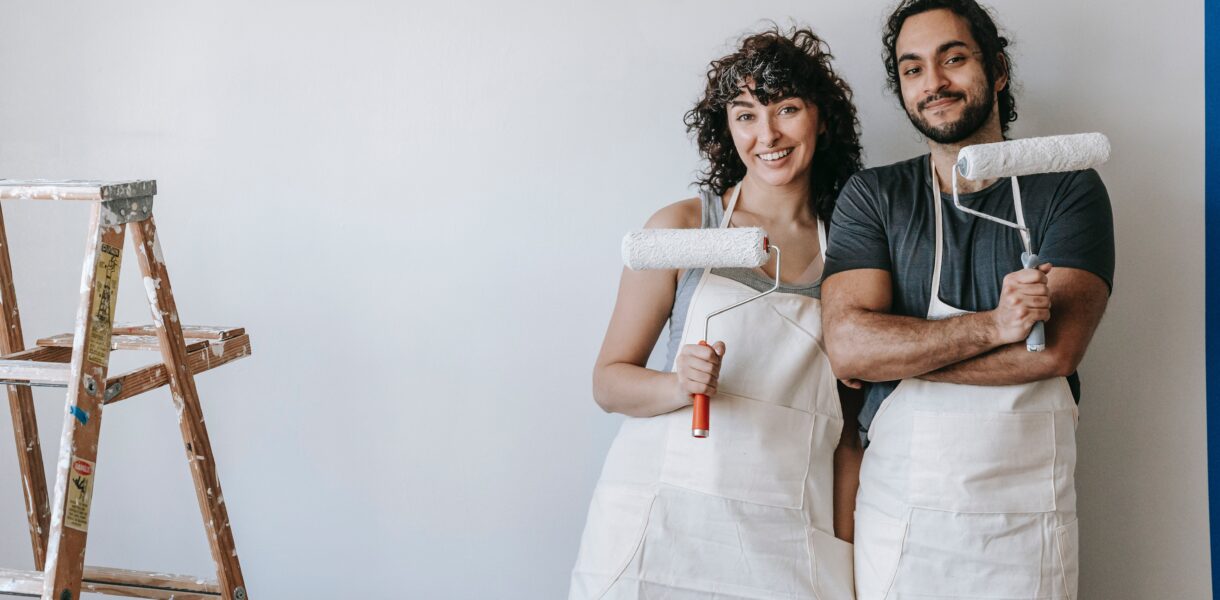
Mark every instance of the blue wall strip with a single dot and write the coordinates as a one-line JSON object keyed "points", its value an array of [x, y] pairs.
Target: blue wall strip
{"points": [[1212, 268]]}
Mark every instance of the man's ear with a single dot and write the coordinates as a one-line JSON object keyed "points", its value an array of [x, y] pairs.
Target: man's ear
{"points": [[1001, 74]]}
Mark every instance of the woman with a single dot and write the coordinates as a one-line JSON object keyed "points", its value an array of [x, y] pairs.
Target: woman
{"points": [[749, 512]]}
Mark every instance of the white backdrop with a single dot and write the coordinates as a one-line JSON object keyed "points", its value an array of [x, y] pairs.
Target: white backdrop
{"points": [[415, 209]]}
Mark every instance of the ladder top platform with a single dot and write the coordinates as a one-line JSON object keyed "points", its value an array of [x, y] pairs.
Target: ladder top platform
{"points": [[43, 189]]}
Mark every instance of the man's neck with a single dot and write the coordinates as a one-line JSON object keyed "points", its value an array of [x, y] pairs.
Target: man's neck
{"points": [[944, 156]]}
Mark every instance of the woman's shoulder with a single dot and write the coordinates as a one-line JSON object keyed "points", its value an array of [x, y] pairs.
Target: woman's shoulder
{"points": [[683, 214]]}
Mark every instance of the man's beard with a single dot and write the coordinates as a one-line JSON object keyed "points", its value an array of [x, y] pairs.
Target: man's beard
{"points": [[974, 116]]}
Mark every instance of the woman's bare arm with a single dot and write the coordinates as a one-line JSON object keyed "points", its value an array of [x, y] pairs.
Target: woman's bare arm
{"points": [[621, 383]]}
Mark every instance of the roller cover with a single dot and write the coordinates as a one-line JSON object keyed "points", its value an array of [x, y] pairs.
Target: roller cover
{"points": [[695, 248], [1053, 154]]}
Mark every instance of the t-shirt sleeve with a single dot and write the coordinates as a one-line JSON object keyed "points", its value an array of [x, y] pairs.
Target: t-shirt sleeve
{"points": [[1079, 232], [857, 237]]}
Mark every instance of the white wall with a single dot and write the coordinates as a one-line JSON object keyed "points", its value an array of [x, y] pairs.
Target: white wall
{"points": [[415, 209]]}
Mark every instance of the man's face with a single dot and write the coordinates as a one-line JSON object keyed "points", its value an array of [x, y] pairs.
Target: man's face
{"points": [[945, 89]]}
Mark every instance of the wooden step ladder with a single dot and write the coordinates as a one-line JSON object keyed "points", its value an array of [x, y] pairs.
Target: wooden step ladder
{"points": [[79, 361]]}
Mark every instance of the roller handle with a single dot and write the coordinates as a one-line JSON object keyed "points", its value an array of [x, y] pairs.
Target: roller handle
{"points": [[699, 420], [1036, 341]]}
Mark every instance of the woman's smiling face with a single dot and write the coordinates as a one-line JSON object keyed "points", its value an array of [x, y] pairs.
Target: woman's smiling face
{"points": [[775, 141]]}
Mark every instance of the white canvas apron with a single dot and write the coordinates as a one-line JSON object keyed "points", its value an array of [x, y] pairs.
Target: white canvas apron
{"points": [[746, 512], [968, 491]]}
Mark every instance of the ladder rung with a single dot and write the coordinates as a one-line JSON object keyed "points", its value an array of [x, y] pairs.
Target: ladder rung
{"points": [[123, 342], [198, 332], [41, 189], [35, 372], [24, 583], [117, 582], [154, 376], [42, 354]]}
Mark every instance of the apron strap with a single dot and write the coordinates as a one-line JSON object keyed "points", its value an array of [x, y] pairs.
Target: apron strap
{"points": [[1016, 202], [728, 212], [940, 235], [822, 240], [1023, 231]]}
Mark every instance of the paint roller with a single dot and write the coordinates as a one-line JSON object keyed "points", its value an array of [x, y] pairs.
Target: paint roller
{"points": [[740, 247], [1053, 154]]}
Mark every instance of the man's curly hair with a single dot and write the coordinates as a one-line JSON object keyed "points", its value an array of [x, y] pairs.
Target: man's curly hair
{"points": [[994, 47], [779, 65]]}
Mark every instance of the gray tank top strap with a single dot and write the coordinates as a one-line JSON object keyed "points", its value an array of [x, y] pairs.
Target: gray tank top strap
{"points": [[713, 214], [713, 211]]}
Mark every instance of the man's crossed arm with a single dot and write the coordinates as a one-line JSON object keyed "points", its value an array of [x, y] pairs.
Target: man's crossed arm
{"points": [[867, 343]]}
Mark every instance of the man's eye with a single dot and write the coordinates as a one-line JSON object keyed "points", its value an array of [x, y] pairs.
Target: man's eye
{"points": [[911, 72], [787, 110], [955, 59]]}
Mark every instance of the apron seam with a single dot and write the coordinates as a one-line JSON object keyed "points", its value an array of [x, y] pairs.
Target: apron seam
{"points": [[1063, 578], [635, 551], [689, 490], [902, 549]]}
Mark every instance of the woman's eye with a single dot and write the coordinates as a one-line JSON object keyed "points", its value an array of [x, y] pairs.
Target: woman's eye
{"points": [[744, 117]]}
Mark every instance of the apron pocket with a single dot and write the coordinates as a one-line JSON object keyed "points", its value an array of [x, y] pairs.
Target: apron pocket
{"points": [[949, 555], [696, 546], [1067, 540], [832, 566], [773, 359], [757, 452], [983, 462], [617, 519], [879, 542]]}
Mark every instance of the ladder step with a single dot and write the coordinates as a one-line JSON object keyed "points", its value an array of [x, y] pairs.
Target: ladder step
{"points": [[29, 371], [198, 332], [41, 189], [47, 365], [151, 377], [117, 582], [123, 342], [42, 354]]}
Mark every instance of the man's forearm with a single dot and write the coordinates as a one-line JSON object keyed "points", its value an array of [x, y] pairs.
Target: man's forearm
{"points": [[1007, 365], [1080, 299], [866, 342], [878, 346]]}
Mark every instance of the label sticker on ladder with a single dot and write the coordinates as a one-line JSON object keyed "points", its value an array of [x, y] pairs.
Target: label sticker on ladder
{"points": [[105, 291], [80, 494]]}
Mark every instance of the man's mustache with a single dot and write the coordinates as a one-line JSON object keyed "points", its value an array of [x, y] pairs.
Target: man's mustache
{"points": [[941, 96]]}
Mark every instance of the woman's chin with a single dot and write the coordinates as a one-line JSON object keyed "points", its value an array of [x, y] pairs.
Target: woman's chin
{"points": [[775, 177]]}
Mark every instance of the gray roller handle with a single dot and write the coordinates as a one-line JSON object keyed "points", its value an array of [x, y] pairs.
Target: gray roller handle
{"points": [[1036, 341]]}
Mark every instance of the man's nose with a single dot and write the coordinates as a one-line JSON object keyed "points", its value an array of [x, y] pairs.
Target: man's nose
{"points": [[934, 80]]}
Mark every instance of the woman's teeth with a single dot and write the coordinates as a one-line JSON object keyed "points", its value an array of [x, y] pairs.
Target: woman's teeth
{"points": [[775, 155]]}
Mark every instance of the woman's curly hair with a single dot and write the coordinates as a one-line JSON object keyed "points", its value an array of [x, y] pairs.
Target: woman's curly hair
{"points": [[779, 65]]}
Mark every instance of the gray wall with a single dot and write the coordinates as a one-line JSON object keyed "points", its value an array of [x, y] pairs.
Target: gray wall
{"points": [[416, 208]]}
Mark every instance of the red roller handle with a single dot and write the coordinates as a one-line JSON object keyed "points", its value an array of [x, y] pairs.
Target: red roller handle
{"points": [[699, 420]]}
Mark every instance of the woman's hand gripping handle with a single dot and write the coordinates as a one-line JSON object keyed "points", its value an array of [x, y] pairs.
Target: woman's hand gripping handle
{"points": [[698, 370]]}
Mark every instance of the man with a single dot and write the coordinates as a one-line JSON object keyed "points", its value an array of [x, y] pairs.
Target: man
{"points": [[966, 490]]}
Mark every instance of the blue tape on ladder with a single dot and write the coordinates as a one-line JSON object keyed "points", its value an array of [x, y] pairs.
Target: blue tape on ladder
{"points": [[1212, 268], [80, 415]]}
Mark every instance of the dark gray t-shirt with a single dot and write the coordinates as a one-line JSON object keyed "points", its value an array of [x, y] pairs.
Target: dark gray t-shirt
{"points": [[884, 220]]}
